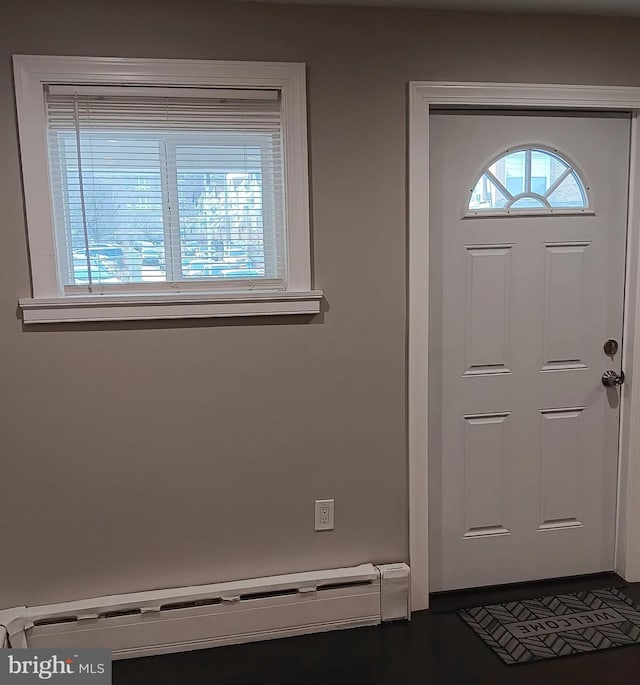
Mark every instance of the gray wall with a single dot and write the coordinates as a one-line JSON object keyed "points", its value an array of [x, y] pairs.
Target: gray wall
{"points": [[142, 456]]}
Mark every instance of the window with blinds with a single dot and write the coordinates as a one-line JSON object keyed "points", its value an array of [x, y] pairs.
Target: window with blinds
{"points": [[166, 188]]}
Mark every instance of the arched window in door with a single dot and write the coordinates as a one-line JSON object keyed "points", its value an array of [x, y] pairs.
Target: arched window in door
{"points": [[531, 179]]}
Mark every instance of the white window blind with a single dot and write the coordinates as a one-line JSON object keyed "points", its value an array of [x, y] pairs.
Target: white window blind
{"points": [[161, 188]]}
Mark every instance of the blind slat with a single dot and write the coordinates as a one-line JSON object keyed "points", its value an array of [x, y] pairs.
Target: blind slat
{"points": [[154, 92]]}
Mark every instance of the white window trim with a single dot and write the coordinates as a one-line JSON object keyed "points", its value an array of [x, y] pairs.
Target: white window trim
{"points": [[48, 302]]}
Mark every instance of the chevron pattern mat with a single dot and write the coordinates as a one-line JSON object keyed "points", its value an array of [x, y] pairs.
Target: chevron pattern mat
{"points": [[561, 625]]}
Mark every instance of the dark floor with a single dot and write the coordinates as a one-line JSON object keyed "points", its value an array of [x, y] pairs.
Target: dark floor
{"points": [[435, 648]]}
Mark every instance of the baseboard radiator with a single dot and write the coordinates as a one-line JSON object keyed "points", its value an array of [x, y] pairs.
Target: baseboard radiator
{"points": [[180, 619]]}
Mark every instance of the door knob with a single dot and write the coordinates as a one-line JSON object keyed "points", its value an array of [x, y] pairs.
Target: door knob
{"points": [[610, 379]]}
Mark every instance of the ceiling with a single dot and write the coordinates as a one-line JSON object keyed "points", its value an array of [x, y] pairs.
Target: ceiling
{"points": [[629, 8]]}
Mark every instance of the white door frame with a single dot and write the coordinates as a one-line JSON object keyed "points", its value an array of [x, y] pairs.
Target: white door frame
{"points": [[422, 96]]}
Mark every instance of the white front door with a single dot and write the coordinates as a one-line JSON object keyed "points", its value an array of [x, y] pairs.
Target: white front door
{"points": [[527, 285]]}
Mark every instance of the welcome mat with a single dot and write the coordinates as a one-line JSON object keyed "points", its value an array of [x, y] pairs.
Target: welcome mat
{"points": [[560, 625]]}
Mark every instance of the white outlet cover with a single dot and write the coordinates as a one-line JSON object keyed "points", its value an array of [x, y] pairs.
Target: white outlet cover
{"points": [[325, 514]]}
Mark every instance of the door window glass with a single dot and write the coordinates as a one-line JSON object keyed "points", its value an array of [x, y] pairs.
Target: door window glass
{"points": [[528, 180]]}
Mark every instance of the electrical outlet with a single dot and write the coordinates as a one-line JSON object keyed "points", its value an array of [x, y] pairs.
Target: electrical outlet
{"points": [[324, 514]]}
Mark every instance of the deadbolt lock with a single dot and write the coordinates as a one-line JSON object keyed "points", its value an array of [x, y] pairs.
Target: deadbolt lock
{"points": [[611, 347]]}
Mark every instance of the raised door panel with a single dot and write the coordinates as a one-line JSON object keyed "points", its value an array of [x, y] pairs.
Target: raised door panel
{"points": [[488, 280], [564, 334], [485, 442], [559, 462]]}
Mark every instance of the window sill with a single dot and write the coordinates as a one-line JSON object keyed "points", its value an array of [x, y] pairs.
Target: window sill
{"points": [[175, 306]]}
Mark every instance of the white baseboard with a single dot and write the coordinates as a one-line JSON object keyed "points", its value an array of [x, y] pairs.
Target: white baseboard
{"points": [[180, 619]]}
